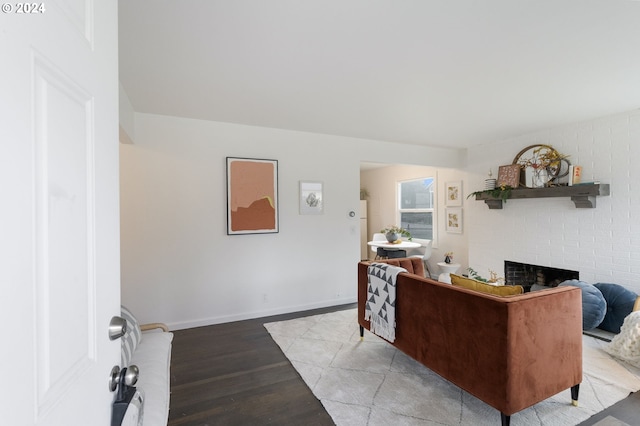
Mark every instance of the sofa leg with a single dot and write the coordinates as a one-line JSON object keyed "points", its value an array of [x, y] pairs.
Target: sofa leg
{"points": [[361, 333], [575, 390], [505, 419]]}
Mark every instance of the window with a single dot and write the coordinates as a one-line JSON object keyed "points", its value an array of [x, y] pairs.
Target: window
{"points": [[416, 207]]}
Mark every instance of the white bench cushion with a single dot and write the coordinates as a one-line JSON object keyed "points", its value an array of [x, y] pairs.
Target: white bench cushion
{"points": [[153, 358]]}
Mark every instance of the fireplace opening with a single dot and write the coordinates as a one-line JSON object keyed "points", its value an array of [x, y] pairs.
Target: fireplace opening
{"points": [[527, 275]]}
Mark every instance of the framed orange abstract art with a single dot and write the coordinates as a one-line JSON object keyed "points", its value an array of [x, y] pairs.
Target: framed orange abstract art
{"points": [[252, 196]]}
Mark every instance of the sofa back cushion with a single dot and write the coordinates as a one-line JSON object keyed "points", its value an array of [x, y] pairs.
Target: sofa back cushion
{"points": [[471, 284], [413, 265]]}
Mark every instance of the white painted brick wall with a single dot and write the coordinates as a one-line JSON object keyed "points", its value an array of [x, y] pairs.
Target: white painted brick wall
{"points": [[603, 244]]}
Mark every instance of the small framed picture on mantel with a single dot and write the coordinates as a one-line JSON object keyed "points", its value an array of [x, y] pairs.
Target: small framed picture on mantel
{"points": [[509, 175]]}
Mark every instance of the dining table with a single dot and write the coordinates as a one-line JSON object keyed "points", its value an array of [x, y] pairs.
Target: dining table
{"points": [[393, 250], [396, 245]]}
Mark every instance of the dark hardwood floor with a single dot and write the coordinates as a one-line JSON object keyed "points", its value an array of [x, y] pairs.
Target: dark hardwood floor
{"points": [[235, 374]]}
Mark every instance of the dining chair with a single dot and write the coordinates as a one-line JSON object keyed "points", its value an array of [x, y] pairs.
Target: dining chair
{"points": [[379, 251], [423, 252]]}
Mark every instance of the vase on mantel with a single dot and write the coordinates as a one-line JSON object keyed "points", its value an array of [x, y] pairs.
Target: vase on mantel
{"points": [[539, 177]]}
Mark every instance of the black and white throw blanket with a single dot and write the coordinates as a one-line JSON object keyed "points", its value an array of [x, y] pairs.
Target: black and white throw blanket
{"points": [[380, 309]]}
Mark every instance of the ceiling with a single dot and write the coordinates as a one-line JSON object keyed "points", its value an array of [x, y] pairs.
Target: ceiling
{"points": [[441, 73]]}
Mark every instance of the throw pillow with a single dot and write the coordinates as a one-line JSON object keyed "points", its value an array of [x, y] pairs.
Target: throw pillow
{"points": [[594, 306], [619, 304], [131, 337], [498, 290], [626, 344]]}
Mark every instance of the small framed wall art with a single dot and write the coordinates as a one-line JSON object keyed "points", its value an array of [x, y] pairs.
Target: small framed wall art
{"points": [[311, 198], [509, 175], [252, 196], [453, 193], [454, 220]]}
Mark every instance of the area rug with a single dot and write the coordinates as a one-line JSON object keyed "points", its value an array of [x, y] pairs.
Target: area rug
{"points": [[371, 383]]}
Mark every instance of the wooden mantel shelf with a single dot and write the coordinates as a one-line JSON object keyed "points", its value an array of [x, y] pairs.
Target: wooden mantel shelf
{"points": [[583, 196]]}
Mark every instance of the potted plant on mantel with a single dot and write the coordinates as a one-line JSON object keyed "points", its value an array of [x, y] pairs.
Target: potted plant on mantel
{"points": [[393, 233], [502, 192]]}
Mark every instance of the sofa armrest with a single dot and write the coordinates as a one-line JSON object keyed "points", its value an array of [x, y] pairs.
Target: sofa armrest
{"points": [[154, 325]]}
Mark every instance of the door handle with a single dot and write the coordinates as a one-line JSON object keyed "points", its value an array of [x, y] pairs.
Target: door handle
{"points": [[117, 327], [127, 376]]}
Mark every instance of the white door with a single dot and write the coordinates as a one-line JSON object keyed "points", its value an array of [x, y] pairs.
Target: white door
{"points": [[59, 214]]}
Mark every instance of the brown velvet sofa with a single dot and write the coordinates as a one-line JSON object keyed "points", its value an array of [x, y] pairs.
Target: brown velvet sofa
{"points": [[510, 352]]}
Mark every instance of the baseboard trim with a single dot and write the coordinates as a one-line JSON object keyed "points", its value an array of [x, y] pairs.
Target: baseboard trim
{"points": [[258, 314]]}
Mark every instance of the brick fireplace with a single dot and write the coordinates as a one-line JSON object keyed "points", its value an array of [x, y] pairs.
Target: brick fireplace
{"points": [[526, 275]]}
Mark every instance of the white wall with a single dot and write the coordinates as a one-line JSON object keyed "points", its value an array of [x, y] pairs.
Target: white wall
{"points": [[381, 184], [603, 244], [126, 116], [178, 264]]}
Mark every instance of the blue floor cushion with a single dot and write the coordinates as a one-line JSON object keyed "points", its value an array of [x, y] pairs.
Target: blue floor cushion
{"points": [[619, 304], [594, 305]]}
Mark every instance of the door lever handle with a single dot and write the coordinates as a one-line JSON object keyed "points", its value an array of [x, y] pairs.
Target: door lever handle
{"points": [[117, 328]]}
